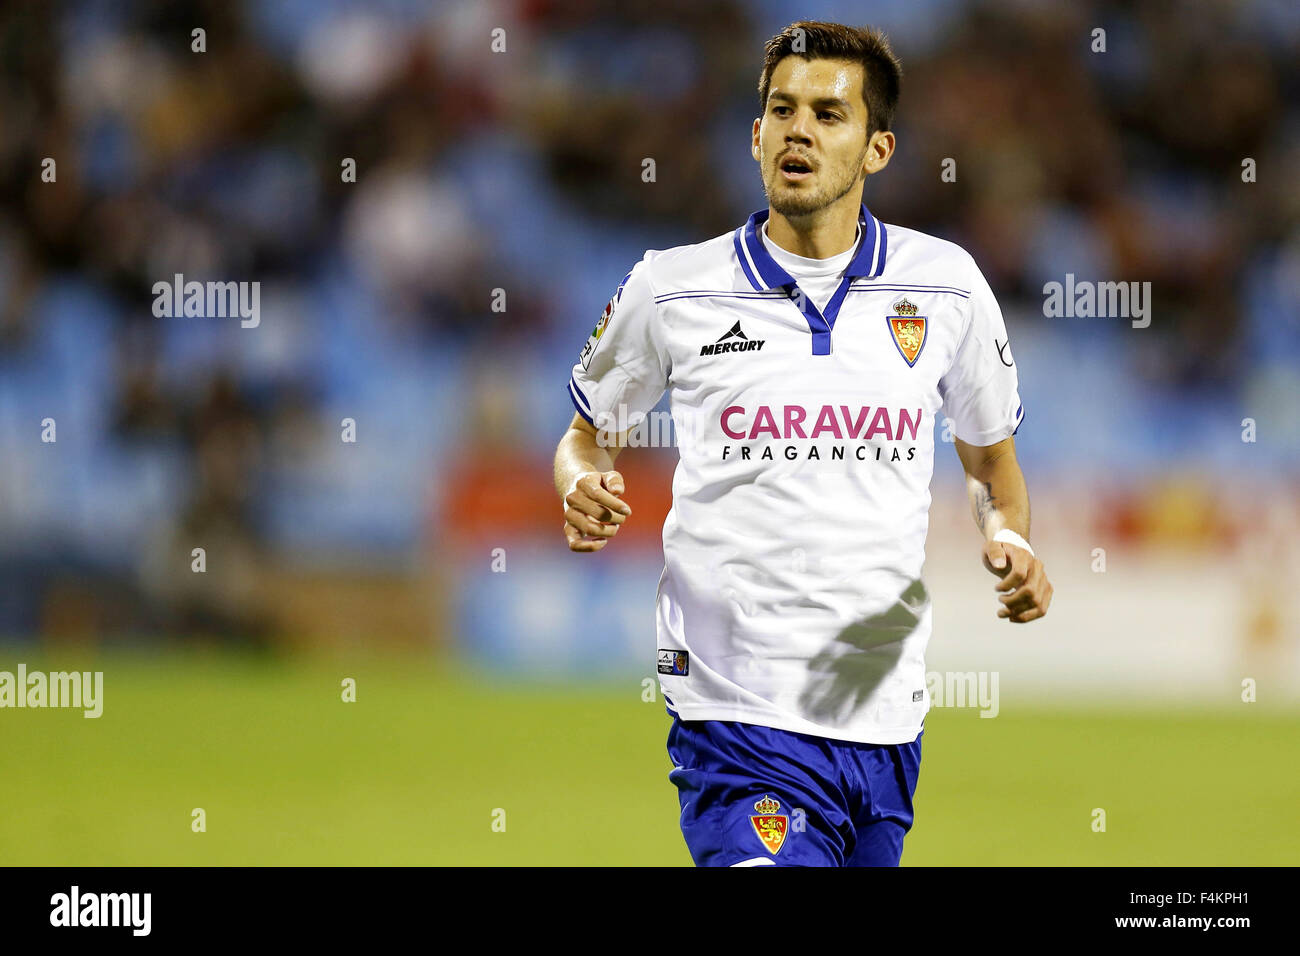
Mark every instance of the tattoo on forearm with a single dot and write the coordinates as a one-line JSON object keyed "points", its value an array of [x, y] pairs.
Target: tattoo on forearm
{"points": [[984, 502]]}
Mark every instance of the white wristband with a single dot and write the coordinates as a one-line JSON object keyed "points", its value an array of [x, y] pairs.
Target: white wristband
{"points": [[1010, 537]]}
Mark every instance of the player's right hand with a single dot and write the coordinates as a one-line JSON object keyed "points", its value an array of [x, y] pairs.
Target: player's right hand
{"points": [[593, 511]]}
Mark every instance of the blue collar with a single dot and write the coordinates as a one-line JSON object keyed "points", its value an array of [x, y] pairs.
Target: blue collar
{"points": [[764, 272]]}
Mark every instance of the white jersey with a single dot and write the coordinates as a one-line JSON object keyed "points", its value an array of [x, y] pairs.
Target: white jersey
{"points": [[791, 595]]}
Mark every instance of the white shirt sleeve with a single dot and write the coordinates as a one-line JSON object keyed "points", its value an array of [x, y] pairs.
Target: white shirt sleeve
{"points": [[981, 389], [623, 369]]}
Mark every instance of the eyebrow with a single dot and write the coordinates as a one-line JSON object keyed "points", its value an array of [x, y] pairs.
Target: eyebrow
{"points": [[819, 101]]}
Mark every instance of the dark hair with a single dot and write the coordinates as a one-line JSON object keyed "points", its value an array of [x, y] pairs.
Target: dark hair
{"points": [[882, 73]]}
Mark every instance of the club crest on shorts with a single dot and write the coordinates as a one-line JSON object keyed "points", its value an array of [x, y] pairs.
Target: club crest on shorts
{"points": [[908, 329], [770, 825]]}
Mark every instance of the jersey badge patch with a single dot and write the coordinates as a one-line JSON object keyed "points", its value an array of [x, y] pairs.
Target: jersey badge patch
{"points": [[908, 330], [676, 663], [601, 324]]}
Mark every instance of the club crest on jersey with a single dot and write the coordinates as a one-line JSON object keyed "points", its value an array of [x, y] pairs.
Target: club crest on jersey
{"points": [[908, 330], [770, 825]]}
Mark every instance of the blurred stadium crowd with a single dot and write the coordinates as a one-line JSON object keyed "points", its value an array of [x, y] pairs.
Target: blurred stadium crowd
{"points": [[521, 170]]}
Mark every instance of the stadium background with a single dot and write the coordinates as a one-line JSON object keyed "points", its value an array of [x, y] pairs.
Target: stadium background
{"points": [[481, 689]]}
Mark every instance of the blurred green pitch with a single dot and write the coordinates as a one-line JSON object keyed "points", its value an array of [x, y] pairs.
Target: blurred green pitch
{"points": [[411, 773]]}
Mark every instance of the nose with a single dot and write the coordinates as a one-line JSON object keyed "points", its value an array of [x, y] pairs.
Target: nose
{"points": [[798, 130]]}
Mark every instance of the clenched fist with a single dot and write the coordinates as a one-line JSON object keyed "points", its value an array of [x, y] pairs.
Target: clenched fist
{"points": [[593, 511], [1027, 590]]}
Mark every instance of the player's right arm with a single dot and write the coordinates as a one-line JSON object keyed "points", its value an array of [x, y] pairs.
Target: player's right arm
{"points": [[589, 487], [620, 374]]}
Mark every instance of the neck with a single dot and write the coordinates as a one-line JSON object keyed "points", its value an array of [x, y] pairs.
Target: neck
{"points": [[818, 235]]}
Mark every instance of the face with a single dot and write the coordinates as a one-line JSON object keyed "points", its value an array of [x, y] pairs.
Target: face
{"points": [[811, 141]]}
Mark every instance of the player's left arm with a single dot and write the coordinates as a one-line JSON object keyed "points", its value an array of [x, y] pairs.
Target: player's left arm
{"points": [[999, 500]]}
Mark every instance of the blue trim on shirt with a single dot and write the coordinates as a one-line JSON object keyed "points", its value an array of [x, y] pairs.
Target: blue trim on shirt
{"points": [[884, 244], [574, 392], [581, 394], [952, 290], [868, 262], [863, 265], [720, 293], [740, 257]]}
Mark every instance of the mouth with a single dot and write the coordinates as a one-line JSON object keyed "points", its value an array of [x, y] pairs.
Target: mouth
{"points": [[795, 168]]}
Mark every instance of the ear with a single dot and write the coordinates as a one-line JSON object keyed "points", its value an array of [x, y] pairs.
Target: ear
{"points": [[879, 151], [753, 146]]}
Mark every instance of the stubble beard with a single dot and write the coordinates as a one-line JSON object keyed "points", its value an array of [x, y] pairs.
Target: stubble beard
{"points": [[798, 203]]}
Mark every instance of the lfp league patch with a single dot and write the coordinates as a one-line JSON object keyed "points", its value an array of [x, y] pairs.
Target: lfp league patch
{"points": [[676, 663], [602, 324]]}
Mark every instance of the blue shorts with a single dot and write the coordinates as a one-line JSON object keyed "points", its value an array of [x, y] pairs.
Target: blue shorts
{"points": [[753, 795]]}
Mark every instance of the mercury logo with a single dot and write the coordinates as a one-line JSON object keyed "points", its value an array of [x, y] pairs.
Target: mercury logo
{"points": [[733, 340]]}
